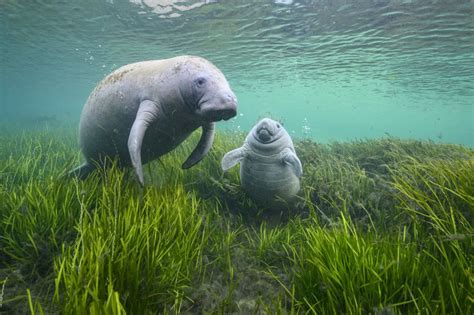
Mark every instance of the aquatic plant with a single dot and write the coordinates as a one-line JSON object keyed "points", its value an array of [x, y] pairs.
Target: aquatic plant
{"points": [[134, 253], [437, 195], [380, 226], [342, 269]]}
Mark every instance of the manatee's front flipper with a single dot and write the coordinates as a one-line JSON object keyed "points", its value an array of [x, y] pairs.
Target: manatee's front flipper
{"points": [[289, 157], [82, 171], [148, 112], [233, 157], [203, 146]]}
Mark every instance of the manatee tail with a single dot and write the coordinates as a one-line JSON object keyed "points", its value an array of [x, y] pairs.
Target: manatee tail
{"points": [[82, 171]]}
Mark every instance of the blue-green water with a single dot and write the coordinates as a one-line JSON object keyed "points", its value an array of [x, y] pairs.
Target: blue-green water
{"points": [[330, 70]]}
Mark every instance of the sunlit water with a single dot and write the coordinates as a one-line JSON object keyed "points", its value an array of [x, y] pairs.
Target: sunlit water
{"points": [[330, 70]]}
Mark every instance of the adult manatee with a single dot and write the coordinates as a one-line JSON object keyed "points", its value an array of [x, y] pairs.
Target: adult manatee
{"points": [[146, 109], [270, 171]]}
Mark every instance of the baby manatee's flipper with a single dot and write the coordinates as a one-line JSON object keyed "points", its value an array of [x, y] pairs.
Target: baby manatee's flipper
{"points": [[289, 157], [203, 146], [82, 171], [232, 158], [148, 112]]}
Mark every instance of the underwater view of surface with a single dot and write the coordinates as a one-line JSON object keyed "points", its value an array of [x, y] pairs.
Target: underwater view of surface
{"points": [[329, 70], [368, 210]]}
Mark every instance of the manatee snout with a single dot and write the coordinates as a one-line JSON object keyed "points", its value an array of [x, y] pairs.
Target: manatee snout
{"points": [[264, 135], [230, 109], [267, 124], [224, 114], [267, 130], [222, 108]]}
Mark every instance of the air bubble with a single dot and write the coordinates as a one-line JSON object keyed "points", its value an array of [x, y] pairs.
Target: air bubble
{"points": [[306, 129]]}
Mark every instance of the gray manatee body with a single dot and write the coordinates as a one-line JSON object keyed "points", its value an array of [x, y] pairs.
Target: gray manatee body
{"points": [[146, 109], [270, 171]]}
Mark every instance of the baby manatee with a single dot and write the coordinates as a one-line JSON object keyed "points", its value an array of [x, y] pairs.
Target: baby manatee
{"points": [[270, 171]]}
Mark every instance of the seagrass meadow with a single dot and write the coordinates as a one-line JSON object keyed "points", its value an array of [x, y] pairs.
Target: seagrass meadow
{"points": [[381, 226]]}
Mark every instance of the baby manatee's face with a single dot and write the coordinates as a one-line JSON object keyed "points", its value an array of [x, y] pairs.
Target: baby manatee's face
{"points": [[207, 92], [268, 131]]}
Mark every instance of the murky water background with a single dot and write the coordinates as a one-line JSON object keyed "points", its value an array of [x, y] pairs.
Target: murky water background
{"points": [[330, 70]]}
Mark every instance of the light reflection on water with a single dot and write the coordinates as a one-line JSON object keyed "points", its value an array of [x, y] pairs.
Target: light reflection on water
{"points": [[350, 68]]}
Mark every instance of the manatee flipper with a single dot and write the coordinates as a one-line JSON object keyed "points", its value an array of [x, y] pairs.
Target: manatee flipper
{"points": [[82, 171], [147, 113], [232, 158], [203, 146], [289, 157]]}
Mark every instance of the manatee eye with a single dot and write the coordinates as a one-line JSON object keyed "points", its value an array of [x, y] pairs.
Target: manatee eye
{"points": [[200, 82], [278, 126]]}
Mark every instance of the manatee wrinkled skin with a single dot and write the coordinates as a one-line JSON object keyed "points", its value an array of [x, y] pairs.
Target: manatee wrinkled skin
{"points": [[270, 171], [144, 110]]}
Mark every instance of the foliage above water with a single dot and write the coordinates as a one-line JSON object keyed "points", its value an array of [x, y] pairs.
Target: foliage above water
{"points": [[381, 226]]}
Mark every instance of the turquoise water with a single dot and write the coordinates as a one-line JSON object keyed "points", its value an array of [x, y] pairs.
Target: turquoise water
{"points": [[330, 70]]}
